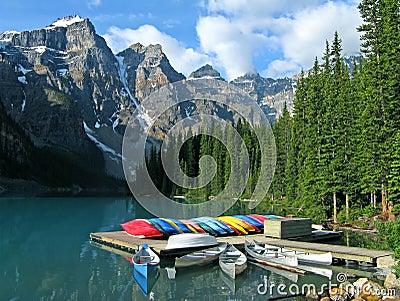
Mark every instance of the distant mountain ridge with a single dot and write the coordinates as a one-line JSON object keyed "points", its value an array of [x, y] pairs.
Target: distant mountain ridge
{"points": [[65, 88]]}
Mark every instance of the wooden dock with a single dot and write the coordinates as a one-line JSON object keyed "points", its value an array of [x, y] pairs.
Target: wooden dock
{"points": [[126, 243], [338, 251]]}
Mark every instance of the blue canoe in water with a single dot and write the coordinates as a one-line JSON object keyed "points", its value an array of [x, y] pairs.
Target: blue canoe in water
{"points": [[214, 226], [146, 283], [145, 261], [250, 220], [167, 227]]}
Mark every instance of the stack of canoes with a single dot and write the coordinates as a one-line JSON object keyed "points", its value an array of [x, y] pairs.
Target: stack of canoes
{"points": [[220, 226]]}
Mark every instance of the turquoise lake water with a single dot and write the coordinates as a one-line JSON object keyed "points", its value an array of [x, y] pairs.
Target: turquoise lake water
{"points": [[45, 254]]}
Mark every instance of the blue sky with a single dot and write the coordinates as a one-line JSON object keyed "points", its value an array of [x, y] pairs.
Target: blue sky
{"points": [[273, 37]]}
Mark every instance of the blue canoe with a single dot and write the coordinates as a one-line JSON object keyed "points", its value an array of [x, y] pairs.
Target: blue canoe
{"points": [[221, 225], [167, 227], [250, 220], [181, 225], [158, 227], [145, 283], [214, 226], [205, 227], [145, 261], [271, 216]]}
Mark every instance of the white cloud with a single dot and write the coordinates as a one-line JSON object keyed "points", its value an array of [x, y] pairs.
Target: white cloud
{"points": [[94, 3], [183, 59], [258, 8], [236, 35], [281, 68], [236, 31], [310, 28], [232, 48]]}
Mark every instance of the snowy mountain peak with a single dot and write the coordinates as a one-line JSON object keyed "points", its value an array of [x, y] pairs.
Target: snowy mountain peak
{"points": [[206, 71], [8, 35], [65, 22]]}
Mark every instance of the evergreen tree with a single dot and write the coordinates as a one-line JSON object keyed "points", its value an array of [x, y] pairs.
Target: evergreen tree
{"points": [[295, 157], [394, 175], [205, 149], [380, 35], [282, 133]]}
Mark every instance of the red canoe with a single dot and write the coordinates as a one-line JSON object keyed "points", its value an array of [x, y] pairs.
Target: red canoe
{"points": [[258, 217], [141, 228]]}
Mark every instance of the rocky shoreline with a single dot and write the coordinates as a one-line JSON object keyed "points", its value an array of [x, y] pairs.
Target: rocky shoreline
{"points": [[16, 188]]}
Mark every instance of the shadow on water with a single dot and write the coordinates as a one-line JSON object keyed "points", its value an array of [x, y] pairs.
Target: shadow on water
{"points": [[369, 240]]}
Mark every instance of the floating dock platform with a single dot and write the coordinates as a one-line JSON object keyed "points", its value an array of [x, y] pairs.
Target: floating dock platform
{"points": [[126, 243]]}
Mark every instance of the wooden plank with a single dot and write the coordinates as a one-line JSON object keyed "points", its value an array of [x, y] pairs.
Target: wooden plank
{"points": [[338, 251], [127, 243], [111, 249]]}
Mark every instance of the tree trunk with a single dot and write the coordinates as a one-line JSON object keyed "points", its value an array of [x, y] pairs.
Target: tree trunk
{"points": [[347, 206], [334, 208], [374, 199], [384, 205]]}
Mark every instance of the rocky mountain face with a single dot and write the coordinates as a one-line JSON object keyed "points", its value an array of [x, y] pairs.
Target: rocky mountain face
{"points": [[64, 89], [271, 94], [63, 74], [146, 69]]}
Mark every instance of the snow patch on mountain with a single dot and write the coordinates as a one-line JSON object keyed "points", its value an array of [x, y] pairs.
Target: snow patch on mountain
{"points": [[65, 22], [8, 35], [62, 72], [90, 133], [122, 75], [20, 68], [23, 102], [22, 80], [144, 118]]}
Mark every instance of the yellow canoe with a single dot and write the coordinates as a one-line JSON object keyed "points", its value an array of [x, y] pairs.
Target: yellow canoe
{"points": [[241, 223], [231, 222]]}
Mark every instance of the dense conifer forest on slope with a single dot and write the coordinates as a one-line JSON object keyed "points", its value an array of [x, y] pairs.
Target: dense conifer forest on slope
{"points": [[338, 155]]}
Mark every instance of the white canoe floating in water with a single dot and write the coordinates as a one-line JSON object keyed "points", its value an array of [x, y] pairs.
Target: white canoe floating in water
{"points": [[256, 251], [302, 257], [232, 261]]}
